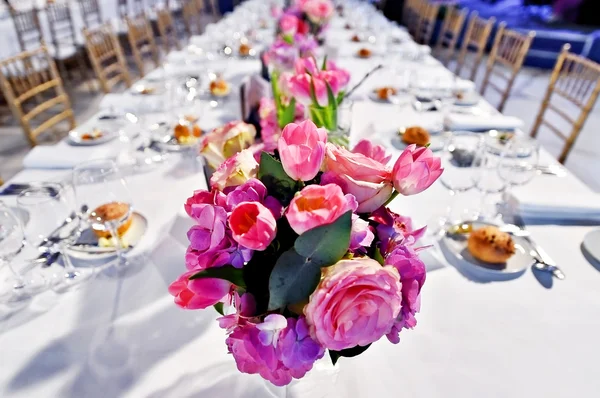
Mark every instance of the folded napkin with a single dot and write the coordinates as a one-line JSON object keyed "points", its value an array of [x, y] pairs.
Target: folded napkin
{"points": [[445, 82], [253, 89], [455, 121], [64, 156], [133, 103], [557, 206]]}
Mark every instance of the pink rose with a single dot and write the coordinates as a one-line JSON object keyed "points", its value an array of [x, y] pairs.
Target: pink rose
{"points": [[225, 141], [318, 11], [235, 171], [302, 150], [318, 205], [356, 303], [252, 225], [199, 293], [288, 24], [415, 170], [412, 273], [365, 178], [375, 152]]}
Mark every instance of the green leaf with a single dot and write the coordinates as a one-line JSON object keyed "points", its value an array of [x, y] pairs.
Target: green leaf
{"points": [[288, 39], [288, 114], [226, 272], [324, 66], [348, 352], [331, 98], [340, 97], [219, 308], [313, 95], [278, 183], [378, 257], [293, 279], [327, 244]]}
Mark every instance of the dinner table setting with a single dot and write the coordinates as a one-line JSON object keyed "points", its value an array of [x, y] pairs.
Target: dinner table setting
{"points": [[363, 222]]}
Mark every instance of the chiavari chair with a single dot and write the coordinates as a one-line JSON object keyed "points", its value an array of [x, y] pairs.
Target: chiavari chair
{"points": [[451, 28], [167, 29], [475, 40], [191, 17], [34, 91], [141, 40], [509, 52], [107, 57], [27, 26], [411, 15], [90, 13], [427, 17], [575, 83], [64, 40]]}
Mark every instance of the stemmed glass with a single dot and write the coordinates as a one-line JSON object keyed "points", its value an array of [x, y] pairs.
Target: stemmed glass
{"points": [[487, 180], [99, 184], [52, 222], [518, 162], [11, 243], [458, 161]]}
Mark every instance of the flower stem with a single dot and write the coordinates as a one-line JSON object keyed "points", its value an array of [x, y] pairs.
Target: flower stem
{"points": [[394, 195]]}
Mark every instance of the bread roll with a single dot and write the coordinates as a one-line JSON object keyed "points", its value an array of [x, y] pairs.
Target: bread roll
{"points": [[490, 245]]}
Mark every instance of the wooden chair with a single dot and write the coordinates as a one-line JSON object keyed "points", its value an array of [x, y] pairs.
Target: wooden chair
{"points": [[62, 32], [27, 26], [107, 57], [123, 9], [191, 17], [141, 40], [509, 52], [90, 13], [427, 18], [451, 28], [475, 40], [33, 89], [575, 82], [410, 15], [167, 30]]}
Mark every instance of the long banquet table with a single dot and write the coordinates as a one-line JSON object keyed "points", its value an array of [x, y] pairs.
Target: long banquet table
{"points": [[527, 337]]}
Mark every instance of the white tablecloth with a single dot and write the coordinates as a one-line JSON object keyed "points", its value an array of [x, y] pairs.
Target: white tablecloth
{"points": [[528, 337]]}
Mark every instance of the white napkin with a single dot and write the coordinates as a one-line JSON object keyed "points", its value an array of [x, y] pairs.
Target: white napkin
{"points": [[455, 121], [444, 82], [133, 103], [64, 156], [557, 206], [253, 88]]}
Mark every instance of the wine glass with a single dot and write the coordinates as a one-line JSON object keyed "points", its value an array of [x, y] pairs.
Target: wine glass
{"points": [[53, 223], [488, 181], [458, 161], [104, 201], [11, 243], [344, 116], [518, 162]]}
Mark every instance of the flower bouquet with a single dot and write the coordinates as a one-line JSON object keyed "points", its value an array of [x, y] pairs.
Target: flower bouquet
{"points": [[300, 255], [225, 141]]}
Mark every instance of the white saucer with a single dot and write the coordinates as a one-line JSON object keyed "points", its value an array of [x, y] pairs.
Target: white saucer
{"points": [[591, 243], [75, 137]]}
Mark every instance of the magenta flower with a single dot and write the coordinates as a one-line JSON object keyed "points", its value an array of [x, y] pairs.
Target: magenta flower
{"points": [[375, 152], [209, 231], [202, 196], [393, 227], [270, 328], [318, 205], [199, 293], [302, 150], [356, 303], [254, 190], [252, 225], [365, 178], [412, 273], [415, 170], [245, 307], [361, 235], [308, 71], [296, 348], [288, 24]]}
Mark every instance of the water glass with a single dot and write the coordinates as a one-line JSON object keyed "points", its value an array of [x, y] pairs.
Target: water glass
{"points": [[344, 117]]}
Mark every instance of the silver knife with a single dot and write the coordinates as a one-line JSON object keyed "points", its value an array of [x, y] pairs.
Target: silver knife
{"points": [[543, 261]]}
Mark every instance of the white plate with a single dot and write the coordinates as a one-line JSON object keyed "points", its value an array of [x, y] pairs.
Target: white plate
{"points": [[591, 243], [469, 99], [155, 89], [392, 99], [91, 251], [514, 267], [74, 137]]}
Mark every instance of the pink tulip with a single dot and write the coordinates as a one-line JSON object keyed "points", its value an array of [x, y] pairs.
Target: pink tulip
{"points": [[365, 178], [306, 64], [302, 149], [356, 303], [288, 24], [318, 11], [199, 293], [252, 225], [415, 170], [375, 152], [300, 88], [318, 205]]}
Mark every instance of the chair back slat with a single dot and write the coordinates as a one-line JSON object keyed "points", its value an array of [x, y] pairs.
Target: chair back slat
{"points": [[451, 28], [90, 12], [142, 42], [509, 50], [574, 88], [167, 30], [427, 17], [107, 57], [33, 89], [27, 26], [475, 40]]}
